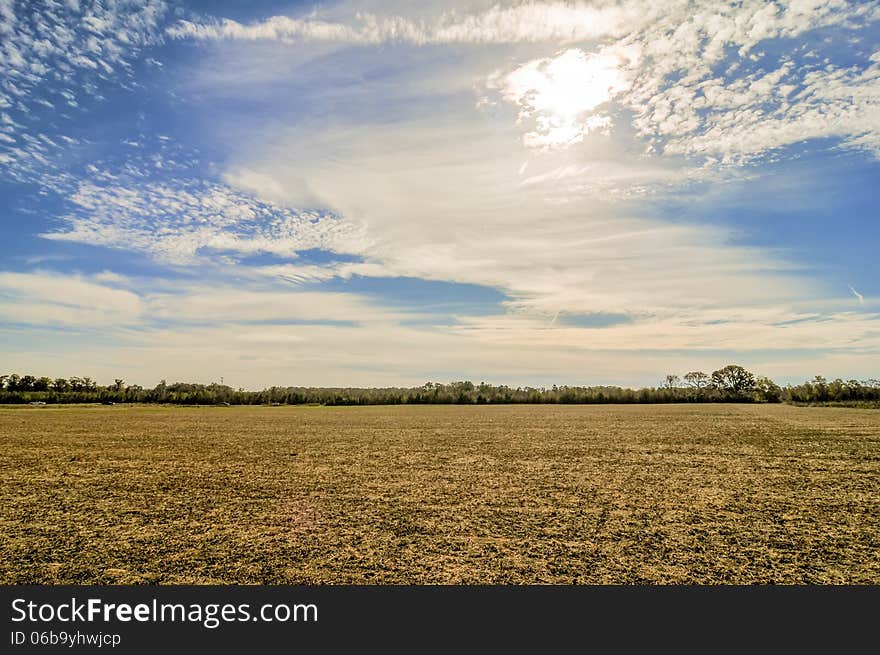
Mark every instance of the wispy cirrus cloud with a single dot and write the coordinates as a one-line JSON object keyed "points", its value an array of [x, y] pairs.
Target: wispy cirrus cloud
{"points": [[741, 330], [528, 22], [50, 299], [96, 301], [707, 26], [504, 230]]}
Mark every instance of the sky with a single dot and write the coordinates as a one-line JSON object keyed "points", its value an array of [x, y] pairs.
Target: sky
{"points": [[378, 192]]}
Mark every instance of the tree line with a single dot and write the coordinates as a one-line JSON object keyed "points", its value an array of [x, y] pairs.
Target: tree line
{"points": [[732, 383]]}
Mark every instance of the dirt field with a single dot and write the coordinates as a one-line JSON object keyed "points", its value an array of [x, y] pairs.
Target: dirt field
{"points": [[441, 494]]}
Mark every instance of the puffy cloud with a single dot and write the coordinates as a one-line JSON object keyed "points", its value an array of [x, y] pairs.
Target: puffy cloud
{"points": [[54, 54], [694, 84], [737, 116]]}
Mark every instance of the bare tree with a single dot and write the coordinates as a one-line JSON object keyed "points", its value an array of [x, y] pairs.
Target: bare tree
{"points": [[671, 381], [696, 380]]}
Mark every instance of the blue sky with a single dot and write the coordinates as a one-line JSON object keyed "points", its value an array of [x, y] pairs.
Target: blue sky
{"points": [[372, 193]]}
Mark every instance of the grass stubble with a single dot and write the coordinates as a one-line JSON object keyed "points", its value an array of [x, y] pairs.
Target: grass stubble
{"points": [[440, 495]]}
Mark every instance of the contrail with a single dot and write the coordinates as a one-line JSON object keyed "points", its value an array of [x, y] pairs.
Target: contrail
{"points": [[857, 295], [555, 316]]}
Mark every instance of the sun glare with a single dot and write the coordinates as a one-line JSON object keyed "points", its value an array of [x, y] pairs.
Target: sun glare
{"points": [[561, 95]]}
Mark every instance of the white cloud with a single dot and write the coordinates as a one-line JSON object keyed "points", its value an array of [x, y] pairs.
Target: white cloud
{"points": [[735, 331], [376, 354], [176, 222], [295, 273], [71, 300], [108, 299], [739, 119], [227, 305], [682, 28], [53, 51], [445, 202], [560, 95], [110, 277], [556, 22], [858, 296], [257, 333]]}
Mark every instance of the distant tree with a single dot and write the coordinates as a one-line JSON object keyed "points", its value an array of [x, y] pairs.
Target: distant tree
{"points": [[160, 392], [697, 380], [854, 390], [837, 390], [766, 390], [732, 382], [819, 389], [733, 379]]}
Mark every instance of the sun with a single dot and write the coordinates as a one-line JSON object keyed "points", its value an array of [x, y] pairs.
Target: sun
{"points": [[562, 94]]}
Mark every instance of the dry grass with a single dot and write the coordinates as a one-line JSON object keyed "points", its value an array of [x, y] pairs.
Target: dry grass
{"points": [[514, 494]]}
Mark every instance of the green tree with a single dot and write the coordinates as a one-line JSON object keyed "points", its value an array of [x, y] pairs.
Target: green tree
{"points": [[733, 379], [819, 389], [766, 390]]}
